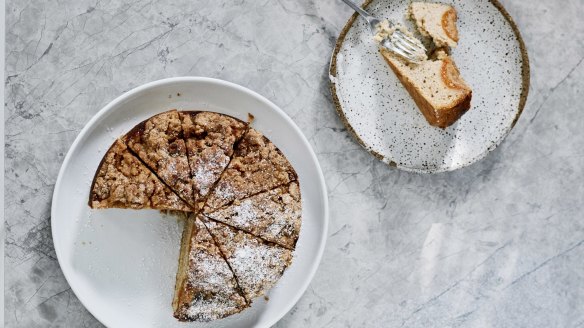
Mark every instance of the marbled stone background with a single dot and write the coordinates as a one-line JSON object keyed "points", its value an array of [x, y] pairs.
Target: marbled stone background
{"points": [[498, 244]]}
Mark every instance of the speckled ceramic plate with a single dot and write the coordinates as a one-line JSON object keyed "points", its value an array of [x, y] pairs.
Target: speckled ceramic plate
{"points": [[382, 116], [121, 264]]}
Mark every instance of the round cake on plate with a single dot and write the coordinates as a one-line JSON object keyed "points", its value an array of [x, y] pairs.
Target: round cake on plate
{"points": [[237, 193]]}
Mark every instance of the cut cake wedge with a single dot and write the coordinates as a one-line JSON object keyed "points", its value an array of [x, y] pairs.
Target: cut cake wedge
{"points": [[123, 181], [206, 288], [257, 264], [273, 215], [158, 141], [257, 165], [209, 138]]}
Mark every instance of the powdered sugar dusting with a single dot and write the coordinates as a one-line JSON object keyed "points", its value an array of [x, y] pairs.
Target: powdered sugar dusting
{"points": [[156, 141], [246, 214], [225, 192], [203, 178], [209, 140], [246, 258], [257, 265], [257, 166], [209, 309], [215, 287], [210, 279], [207, 170], [211, 267], [274, 215]]}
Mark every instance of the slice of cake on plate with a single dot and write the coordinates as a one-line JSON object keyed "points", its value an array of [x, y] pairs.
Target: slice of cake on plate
{"points": [[158, 141], [273, 215], [436, 87], [206, 288], [257, 264], [122, 181], [209, 139], [435, 84], [257, 165]]}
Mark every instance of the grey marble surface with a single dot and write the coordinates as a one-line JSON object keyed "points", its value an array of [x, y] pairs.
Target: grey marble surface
{"points": [[498, 244]]}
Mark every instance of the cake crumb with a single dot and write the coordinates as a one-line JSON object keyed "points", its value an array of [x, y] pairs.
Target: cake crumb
{"points": [[384, 31]]}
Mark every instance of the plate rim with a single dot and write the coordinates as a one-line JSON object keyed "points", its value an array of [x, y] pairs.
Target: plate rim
{"points": [[525, 76], [157, 83]]}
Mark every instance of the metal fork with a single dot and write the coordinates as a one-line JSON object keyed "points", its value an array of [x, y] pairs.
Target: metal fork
{"points": [[402, 44]]}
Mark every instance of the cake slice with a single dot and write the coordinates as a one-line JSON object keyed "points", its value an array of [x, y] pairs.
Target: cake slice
{"points": [[205, 288], [122, 181], [435, 84], [437, 21], [209, 139], [158, 141], [257, 165], [436, 87], [273, 215], [257, 264]]}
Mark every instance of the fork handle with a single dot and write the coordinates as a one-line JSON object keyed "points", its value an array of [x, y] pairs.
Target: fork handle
{"points": [[358, 9]]}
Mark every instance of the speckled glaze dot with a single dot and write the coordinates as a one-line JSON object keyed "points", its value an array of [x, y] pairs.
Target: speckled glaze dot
{"points": [[382, 116]]}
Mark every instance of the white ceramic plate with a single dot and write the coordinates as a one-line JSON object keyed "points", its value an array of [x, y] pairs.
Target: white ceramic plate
{"points": [[121, 264], [382, 116]]}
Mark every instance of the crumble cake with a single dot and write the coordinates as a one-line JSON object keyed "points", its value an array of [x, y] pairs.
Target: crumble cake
{"points": [[205, 288], [273, 215], [434, 84], [180, 162], [158, 141], [122, 181], [209, 139], [257, 264], [257, 165]]}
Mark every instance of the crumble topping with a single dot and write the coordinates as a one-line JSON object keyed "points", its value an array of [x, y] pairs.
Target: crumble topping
{"points": [[158, 142], [257, 166], [209, 143], [122, 181]]}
